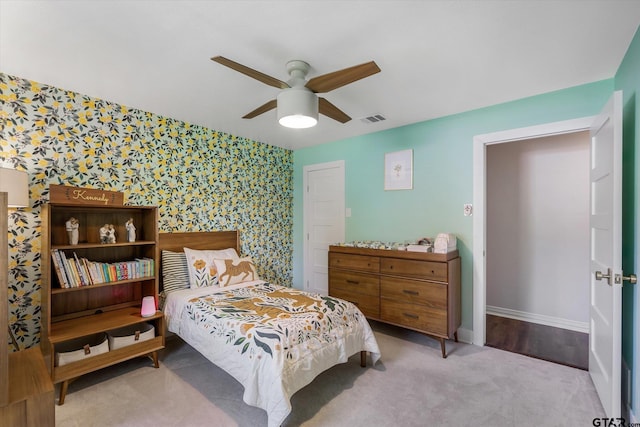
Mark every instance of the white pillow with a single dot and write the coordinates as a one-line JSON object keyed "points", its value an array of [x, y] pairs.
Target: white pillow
{"points": [[234, 271], [202, 269]]}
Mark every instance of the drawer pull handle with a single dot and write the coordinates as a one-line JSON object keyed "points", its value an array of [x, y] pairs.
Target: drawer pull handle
{"points": [[410, 316], [353, 282], [408, 292]]}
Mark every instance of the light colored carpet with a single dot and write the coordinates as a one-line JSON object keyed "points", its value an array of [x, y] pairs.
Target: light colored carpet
{"points": [[411, 386]]}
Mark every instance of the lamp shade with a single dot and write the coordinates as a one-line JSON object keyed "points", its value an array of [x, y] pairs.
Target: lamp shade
{"points": [[297, 108], [16, 184]]}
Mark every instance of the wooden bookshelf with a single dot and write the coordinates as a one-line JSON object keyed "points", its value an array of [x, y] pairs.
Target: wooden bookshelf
{"points": [[81, 311]]}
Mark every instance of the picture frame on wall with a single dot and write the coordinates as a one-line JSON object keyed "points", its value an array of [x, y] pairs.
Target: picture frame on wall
{"points": [[398, 170]]}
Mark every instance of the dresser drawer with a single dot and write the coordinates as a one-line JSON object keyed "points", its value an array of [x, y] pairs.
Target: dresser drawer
{"points": [[425, 319], [420, 269], [368, 305], [362, 283], [432, 295], [354, 262]]}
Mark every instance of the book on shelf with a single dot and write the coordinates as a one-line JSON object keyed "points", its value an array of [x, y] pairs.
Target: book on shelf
{"points": [[97, 272], [55, 258], [87, 269], [74, 271], [82, 274], [65, 273], [67, 268]]}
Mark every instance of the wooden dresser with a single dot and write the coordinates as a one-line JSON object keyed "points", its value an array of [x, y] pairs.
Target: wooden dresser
{"points": [[415, 290]]}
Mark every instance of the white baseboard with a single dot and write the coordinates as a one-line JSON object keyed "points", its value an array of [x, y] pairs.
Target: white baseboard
{"points": [[465, 335], [541, 319]]}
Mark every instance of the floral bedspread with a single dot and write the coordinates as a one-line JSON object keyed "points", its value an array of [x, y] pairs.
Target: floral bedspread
{"points": [[273, 340]]}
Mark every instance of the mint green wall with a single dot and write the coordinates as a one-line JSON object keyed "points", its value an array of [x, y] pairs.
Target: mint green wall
{"points": [[627, 79], [443, 175]]}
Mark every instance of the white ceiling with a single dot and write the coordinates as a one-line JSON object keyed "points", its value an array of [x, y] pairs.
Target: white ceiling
{"points": [[437, 57]]}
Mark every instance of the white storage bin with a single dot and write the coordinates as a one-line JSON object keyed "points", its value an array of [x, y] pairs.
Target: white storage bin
{"points": [[81, 348], [129, 335]]}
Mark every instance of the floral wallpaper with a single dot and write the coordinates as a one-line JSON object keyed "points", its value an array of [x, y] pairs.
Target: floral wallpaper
{"points": [[200, 179]]}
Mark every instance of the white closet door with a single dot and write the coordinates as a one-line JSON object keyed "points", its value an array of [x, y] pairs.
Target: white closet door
{"points": [[324, 220]]}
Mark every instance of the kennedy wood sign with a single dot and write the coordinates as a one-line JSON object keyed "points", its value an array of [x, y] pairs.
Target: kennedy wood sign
{"points": [[84, 196]]}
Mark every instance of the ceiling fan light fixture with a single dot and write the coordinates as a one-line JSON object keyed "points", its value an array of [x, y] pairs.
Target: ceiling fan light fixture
{"points": [[297, 108]]}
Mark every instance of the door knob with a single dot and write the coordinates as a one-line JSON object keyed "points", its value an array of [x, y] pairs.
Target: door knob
{"points": [[617, 278], [632, 279], [608, 276]]}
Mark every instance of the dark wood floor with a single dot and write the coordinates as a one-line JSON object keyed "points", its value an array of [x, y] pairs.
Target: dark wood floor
{"points": [[543, 342]]}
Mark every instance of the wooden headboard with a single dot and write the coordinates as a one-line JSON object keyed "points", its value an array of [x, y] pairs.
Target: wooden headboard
{"points": [[176, 242]]}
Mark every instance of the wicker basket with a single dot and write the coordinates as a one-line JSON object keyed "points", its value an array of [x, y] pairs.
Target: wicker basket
{"points": [[129, 335], [81, 348]]}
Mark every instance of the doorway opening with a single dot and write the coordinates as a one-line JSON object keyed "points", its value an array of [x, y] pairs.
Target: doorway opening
{"points": [[481, 146], [537, 247]]}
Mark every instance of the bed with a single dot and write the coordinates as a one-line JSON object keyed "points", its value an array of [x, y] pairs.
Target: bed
{"points": [[272, 339]]}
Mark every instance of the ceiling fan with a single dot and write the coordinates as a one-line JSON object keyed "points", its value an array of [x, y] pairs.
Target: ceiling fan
{"points": [[297, 104]]}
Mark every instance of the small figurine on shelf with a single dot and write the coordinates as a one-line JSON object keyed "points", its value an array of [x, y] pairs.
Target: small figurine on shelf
{"points": [[72, 227], [111, 234], [131, 231], [104, 234]]}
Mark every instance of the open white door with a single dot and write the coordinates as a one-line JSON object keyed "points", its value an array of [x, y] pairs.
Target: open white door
{"points": [[605, 335]]}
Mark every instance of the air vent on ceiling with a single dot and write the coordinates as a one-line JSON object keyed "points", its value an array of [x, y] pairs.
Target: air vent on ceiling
{"points": [[373, 119]]}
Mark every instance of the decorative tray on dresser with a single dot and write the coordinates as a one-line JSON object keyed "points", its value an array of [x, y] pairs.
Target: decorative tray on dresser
{"points": [[415, 290]]}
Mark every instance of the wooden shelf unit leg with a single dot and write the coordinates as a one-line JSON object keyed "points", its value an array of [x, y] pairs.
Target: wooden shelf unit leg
{"points": [[154, 357], [455, 336], [63, 392], [363, 359]]}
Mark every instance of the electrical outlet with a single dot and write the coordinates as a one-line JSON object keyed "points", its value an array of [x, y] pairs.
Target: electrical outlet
{"points": [[468, 209]]}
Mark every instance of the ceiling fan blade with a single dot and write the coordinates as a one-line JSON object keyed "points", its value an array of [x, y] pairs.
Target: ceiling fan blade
{"points": [[331, 81], [330, 110], [271, 81], [261, 109]]}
